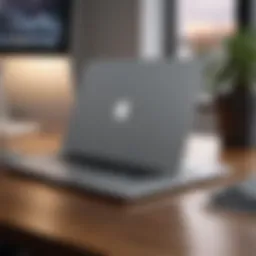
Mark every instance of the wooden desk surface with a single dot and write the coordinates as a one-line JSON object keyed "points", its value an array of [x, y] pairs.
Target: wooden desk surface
{"points": [[180, 224]]}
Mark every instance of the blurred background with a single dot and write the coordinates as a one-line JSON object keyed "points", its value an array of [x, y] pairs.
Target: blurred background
{"points": [[46, 44], [40, 84]]}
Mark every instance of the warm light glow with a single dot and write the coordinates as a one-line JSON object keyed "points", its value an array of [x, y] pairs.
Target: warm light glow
{"points": [[39, 86]]}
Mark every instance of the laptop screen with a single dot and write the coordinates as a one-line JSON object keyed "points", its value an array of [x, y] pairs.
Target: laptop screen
{"points": [[137, 113]]}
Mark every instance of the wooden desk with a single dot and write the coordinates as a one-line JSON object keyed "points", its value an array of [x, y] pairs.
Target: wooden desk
{"points": [[179, 224]]}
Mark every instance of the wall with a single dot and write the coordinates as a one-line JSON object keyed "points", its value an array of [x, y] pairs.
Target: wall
{"points": [[39, 88], [104, 29]]}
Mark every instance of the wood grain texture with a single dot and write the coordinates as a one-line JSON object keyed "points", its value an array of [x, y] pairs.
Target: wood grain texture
{"points": [[181, 223]]}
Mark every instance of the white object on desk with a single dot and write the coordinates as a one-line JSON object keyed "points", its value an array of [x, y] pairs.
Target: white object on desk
{"points": [[201, 150], [9, 127], [12, 128]]}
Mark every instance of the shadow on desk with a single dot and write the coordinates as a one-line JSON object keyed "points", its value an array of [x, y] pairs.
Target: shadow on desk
{"points": [[16, 242]]}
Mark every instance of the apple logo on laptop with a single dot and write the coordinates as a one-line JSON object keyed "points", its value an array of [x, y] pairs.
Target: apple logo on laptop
{"points": [[122, 110]]}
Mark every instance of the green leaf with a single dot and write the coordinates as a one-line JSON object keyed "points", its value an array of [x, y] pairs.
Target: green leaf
{"points": [[238, 66]]}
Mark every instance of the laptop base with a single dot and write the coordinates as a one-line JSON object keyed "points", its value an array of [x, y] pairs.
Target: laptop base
{"points": [[113, 184]]}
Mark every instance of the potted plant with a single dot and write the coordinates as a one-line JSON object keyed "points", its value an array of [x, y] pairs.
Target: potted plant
{"points": [[232, 73]]}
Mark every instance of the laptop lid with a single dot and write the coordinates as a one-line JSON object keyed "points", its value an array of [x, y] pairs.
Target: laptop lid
{"points": [[132, 113]]}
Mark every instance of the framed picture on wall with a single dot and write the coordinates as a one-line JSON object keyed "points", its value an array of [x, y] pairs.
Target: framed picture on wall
{"points": [[34, 26]]}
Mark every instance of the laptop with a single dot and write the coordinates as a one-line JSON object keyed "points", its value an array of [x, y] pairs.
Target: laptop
{"points": [[127, 130]]}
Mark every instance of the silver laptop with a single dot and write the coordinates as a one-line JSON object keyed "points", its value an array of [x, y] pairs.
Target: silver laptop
{"points": [[127, 130]]}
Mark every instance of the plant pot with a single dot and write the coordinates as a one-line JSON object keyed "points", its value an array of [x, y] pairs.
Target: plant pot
{"points": [[235, 115]]}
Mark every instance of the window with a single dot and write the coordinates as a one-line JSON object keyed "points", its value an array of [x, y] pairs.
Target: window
{"points": [[202, 24]]}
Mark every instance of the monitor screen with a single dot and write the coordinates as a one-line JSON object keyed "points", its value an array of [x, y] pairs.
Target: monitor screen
{"points": [[34, 25]]}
